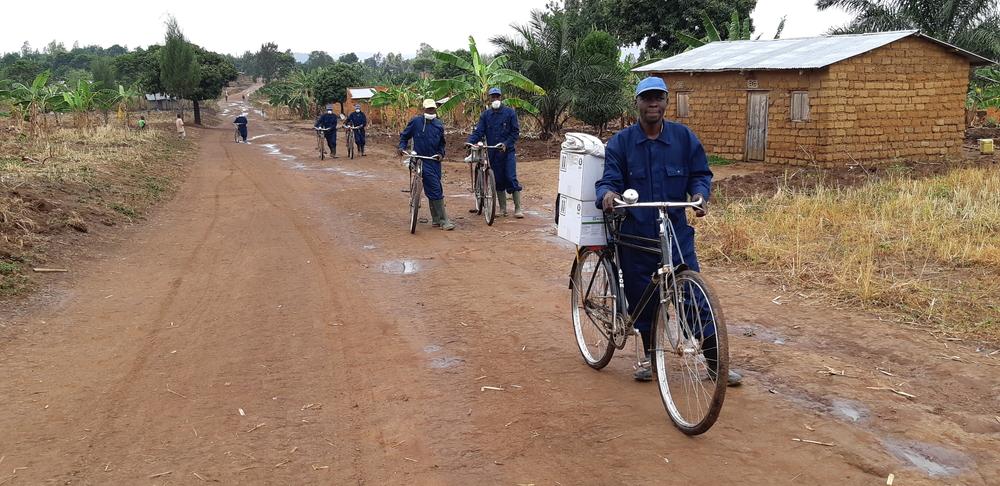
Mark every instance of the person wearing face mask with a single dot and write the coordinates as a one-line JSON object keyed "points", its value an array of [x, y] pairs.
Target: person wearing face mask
{"points": [[358, 120], [664, 162], [427, 133], [498, 125], [328, 121]]}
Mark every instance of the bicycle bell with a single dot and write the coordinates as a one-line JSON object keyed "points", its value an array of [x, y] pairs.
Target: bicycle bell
{"points": [[631, 196]]}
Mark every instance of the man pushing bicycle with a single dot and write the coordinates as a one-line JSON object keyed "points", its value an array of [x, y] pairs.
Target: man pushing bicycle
{"points": [[663, 161]]}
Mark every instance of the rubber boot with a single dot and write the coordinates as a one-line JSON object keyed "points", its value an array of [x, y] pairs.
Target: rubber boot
{"points": [[502, 199], [516, 196], [446, 224], [435, 218]]}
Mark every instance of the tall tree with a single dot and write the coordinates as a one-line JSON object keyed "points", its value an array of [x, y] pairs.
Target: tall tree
{"points": [[333, 81], [316, 60], [103, 71], [349, 58], [141, 68], [973, 25], [215, 73], [272, 63], [598, 88], [652, 23], [179, 71]]}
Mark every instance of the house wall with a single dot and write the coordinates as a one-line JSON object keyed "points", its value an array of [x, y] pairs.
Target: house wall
{"points": [[903, 100]]}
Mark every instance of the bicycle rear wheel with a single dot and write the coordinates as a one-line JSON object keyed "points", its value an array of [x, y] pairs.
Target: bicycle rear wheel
{"points": [[489, 196], [594, 306], [416, 187], [691, 356]]}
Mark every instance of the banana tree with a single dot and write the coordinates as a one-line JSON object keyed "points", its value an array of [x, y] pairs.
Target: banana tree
{"points": [[81, 100], [125, 99], [396, 102], [33, 101], [470, 89], [738, 29]]}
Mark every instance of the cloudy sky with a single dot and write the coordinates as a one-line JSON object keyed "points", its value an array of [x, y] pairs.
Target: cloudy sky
{"points": [[304, 26]]}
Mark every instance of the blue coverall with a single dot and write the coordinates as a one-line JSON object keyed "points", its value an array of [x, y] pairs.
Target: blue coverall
{"points": [[666, 169], [241, 124], [500, 126], [428, 140], [329, 122], [359, 120]]}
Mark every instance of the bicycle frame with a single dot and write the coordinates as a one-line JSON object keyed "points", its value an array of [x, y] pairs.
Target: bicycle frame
{"points": [[659, 280]]}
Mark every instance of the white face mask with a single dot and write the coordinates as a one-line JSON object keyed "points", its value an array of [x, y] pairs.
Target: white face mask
{"points": [[495, 104], [430, 116], [357, 110]]}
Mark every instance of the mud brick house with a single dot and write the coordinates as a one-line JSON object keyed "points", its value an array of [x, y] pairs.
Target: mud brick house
{"points": [[823, 100]]}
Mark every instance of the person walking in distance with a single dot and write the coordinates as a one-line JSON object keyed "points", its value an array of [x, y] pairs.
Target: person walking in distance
{"points": [[179, 123]]}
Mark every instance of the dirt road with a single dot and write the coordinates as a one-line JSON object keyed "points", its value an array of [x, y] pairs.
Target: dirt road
{"points": [[275, 323]]}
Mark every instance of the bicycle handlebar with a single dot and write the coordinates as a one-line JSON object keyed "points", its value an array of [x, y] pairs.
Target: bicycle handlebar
{"points": [[483, 146], [415, 156], [620, 204]]}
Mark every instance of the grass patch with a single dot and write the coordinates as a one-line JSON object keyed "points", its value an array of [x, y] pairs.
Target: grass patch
{"points": [[79, 181], [928, 249], [716, 160], [12, 279]]}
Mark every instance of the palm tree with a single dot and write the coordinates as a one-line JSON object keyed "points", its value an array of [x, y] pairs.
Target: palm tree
{"points": [[738, 30], [542, 50], [973, 25], [470, 88]]}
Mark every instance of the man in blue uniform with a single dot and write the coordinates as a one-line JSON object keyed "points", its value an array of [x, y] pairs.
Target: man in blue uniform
{"points": [[328, 121], [663, 161], [427, 132], [498, 125], [359, 121], [241, 125]]}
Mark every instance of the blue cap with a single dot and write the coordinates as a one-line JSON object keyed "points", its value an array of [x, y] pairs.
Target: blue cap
{"points": [[649, 84], [494, 91]]}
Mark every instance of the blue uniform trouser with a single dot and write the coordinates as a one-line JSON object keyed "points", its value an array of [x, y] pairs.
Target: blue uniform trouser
{"points": [[359, 138], [331, 140], [504, 166], [243, 132], [638, 268], [432, 180]]}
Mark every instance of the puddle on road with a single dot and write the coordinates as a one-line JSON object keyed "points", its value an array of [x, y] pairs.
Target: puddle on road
{"points": [[446, 362], [368, 247], [401, 267], [758, 332], [338, 170], [932, 459], [272, 149], [847, 409], [261, 136], [443, 362]]}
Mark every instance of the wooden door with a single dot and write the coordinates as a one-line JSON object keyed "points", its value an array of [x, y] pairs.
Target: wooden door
{"points": [[756, 125]]}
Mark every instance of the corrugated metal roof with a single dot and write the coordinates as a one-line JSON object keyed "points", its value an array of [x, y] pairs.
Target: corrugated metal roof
{"points": [[804, 53], [361, 93]]}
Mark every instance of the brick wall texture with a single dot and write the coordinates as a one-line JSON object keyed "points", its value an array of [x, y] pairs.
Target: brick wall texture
{"points": [[905, 100]]}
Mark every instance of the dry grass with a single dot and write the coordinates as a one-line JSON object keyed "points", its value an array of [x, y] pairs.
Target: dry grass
{"points": [[72, 181], [928, 249]]}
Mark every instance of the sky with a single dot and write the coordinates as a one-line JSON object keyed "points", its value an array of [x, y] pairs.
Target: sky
{"points": [[367, 27]]}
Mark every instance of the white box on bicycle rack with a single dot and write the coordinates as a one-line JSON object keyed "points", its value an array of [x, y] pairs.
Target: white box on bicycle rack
{"points": [[581, 165], [581, 222]]}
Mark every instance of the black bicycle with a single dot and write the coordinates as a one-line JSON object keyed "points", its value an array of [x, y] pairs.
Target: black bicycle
{"points": [[691, 349], [484, 184], [349, 131], [416, 167], [321, 141]]}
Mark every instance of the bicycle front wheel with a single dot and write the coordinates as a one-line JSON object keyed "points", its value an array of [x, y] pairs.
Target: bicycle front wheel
{"points": [[478, 189], [321, 147], [594, 304], [489, 196], [691, 356], [350, 145], [236, 136], [416, 187]]}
